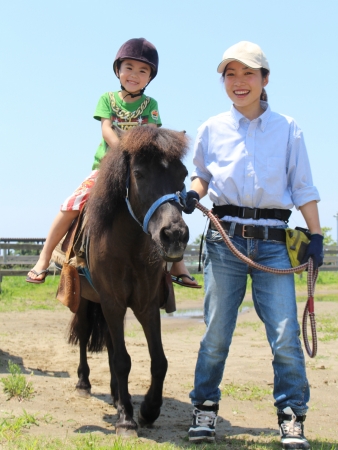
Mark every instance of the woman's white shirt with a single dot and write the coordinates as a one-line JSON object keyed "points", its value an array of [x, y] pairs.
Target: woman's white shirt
{"points": [[261, 163]]}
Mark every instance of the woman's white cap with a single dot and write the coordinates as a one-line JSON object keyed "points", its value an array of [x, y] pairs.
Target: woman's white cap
{"points": [[247, 53]]}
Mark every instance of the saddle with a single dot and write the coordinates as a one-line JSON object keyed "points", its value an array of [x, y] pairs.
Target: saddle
{"points": [[70, 255]]}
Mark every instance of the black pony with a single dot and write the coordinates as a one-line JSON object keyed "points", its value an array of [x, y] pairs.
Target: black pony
{"points": [[135, 224]]}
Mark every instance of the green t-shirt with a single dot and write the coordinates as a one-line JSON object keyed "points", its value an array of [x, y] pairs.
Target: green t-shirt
{"points": [[124, 115]]}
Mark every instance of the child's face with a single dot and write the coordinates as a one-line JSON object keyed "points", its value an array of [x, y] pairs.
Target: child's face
{"points": [[244, 85], [134, 75]]}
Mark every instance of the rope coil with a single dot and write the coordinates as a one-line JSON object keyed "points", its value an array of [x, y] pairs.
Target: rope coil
{"points": [[311, 280]]}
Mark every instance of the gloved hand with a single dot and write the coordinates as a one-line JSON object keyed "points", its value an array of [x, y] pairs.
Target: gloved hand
{"points": [[315, 250], [190, 201]]}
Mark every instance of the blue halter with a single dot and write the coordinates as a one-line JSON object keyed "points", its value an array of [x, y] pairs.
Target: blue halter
{"points": [[178, 197]]}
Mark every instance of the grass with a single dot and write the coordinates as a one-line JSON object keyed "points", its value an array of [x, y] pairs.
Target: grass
{"points": [[17, 295], [13, 436], [11, 427], [16, 385], [246, 391], [95, 442], [327, 327]]}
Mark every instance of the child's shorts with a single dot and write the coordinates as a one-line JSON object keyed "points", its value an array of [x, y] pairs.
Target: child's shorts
{"points": [[79, 197]]}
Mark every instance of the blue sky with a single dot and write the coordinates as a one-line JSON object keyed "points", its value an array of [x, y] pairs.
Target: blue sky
{"points": [[57, 61]]}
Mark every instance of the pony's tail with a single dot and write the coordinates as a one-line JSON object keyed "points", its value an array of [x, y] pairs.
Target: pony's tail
{"points": [[90, 326]]}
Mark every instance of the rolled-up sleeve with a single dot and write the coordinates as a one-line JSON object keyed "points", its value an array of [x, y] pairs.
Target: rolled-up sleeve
{"points": [[200, 155], [299, 171]]}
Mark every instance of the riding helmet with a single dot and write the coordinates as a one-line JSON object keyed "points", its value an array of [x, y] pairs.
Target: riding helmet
{"points": [[141, 50]]}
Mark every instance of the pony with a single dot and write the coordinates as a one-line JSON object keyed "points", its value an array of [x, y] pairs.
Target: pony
{"points": [[134, 220]]}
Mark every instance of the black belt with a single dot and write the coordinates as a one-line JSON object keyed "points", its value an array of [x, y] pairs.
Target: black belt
{"points": [[254, 232], [244, 212]]}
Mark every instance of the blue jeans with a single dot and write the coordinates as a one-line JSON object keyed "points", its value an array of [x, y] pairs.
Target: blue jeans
{"points": [[274, 299]]}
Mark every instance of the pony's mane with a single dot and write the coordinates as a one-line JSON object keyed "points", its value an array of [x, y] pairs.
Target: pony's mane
{"points": [[108, 194], [154, 142]]}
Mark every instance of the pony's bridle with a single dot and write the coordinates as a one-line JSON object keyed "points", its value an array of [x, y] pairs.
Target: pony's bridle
{"points": [[178, 197]]}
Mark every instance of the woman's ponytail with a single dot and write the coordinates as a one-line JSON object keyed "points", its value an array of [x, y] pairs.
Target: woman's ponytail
{"points": [[264, 95]]}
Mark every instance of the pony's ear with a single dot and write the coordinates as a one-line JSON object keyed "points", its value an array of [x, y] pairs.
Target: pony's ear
{"points": [[117, 131]]}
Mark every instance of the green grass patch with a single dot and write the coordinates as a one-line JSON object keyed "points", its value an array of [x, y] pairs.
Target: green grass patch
{"points": [[246, 391], [95, 442], [324, 278], [326, 283], [18, 295], [254, 325], [184, 293], [15, 384], [327, 326], [319, 298], [11, 427], [14, 435]]}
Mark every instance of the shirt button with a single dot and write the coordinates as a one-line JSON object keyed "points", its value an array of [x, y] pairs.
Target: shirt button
{"points": [[250, 134]]}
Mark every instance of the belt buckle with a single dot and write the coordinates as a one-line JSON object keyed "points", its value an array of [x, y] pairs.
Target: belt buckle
{"points": [[244, 231]]}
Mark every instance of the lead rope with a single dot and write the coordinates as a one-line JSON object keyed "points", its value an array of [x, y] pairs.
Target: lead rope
{"points": [[309, 311], [311, 280]]}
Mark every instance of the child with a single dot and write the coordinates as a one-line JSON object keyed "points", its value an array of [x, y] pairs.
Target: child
{"points": [[136, 64], [253, 164]]}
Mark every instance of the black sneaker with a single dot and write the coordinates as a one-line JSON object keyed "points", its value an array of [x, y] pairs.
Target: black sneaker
{"points": [[292, 430], [204, 419]]}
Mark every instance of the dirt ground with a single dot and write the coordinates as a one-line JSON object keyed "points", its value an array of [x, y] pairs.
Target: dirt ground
{"points": [[36, 340]]}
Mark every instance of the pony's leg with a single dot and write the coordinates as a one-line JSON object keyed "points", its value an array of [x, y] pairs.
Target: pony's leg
{"points": [[80, 332], [151, 406], [113, 380], [121, 363]]}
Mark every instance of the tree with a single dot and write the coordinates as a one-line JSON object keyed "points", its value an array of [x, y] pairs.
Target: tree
{"points": [[328, 240], [197, 240]]}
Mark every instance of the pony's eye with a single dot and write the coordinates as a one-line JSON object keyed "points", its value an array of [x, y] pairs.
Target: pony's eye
{"points": [[138, 174]]}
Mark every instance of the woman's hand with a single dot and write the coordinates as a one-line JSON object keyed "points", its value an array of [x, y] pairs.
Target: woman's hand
{"points": [[315, 251], [190, 201]]}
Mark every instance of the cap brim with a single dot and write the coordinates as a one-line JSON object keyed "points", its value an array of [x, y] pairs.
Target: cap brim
{"points": [[223, 64]]}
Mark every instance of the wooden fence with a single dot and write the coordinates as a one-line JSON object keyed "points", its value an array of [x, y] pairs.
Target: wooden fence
{"points": [[16, 264], [10, 261]]}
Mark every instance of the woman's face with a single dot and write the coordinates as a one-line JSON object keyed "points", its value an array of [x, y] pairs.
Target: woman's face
{"points": [[244, 86]]}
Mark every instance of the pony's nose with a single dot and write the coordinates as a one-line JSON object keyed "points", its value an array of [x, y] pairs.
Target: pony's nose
{"points": [[175, 233]]}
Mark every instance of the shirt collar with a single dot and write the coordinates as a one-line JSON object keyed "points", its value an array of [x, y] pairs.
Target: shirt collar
{"points": [[262, 119]]}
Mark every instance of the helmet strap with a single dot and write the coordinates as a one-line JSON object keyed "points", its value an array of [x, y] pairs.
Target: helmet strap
{"points": [[133, 95]]}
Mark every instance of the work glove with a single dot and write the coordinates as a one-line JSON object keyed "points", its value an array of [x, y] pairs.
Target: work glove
{"points": [[315, 251], [190, 201]]}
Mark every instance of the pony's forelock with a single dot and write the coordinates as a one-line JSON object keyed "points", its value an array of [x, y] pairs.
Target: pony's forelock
{"points": [[165, 143]]}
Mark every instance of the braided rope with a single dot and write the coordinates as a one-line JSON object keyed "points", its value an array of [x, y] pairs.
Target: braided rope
{"points": [[309, 312], [311, 280]]}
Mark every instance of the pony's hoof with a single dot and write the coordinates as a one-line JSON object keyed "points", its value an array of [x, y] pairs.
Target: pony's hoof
{"points": [[143, 422], [84, 393], [126, 433]]}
